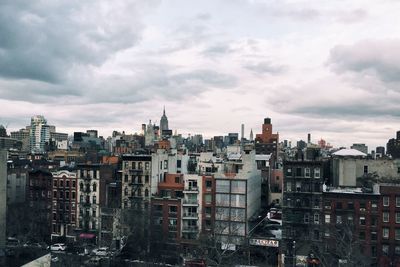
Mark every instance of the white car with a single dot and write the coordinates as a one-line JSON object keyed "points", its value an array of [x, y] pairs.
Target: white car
{"points": [[100, 251], [58, 247]]}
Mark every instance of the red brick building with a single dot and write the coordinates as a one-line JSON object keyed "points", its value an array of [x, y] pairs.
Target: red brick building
{"points": [[64, 206], [389, 230], [166, 216], [39, 196], [351, 222]]}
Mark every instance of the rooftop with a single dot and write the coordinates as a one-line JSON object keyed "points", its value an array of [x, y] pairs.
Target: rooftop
{"points": [[349, 152]]}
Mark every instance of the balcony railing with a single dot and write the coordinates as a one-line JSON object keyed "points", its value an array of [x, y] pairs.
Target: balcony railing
{"points": [[190, 214], [191, 228], [193, 189], [190, 202]]}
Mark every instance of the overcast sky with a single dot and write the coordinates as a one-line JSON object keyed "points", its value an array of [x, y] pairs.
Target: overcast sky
{"points": [[331, 68]]}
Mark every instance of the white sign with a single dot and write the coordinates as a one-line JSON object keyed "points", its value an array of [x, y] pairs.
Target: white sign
{"points": [[264, 242]]}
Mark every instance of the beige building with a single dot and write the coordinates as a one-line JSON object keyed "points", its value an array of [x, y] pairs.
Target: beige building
{"points": [[347, 167]]}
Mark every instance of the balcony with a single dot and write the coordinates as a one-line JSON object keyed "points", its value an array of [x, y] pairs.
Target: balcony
{"points": [[190, 228], [135, 171], [191, 190], [190, 202], [190, 215]]}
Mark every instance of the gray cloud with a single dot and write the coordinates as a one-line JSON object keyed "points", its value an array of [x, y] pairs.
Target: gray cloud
{"points": [[265, 67], [43, 41], [376, 57]]}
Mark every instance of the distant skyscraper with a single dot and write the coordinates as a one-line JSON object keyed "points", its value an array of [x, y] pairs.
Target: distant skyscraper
{"points": [[251, 135], [242, 132], [360, 147], [39, 133], [164, 122]]}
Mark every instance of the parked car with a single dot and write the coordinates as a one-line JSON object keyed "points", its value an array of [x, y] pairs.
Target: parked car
{"points": [[103, 251], [12, 242], [29, 244], [58, 247]]}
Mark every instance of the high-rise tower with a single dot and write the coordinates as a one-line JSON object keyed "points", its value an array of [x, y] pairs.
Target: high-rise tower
{"points": [[164, 122], [39, 133]]}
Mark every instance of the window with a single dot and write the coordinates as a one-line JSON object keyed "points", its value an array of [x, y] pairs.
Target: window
{"points": [[177, 178], [165, 164], [289, 172], [373, 251], [61, 183], [160, 165], [361, 235], [350, 205], [327, 204], [67, 194], [385, 249], [339, 205], [179, 163], [55, 194], [147, 165], [362, 206], [73, 184], [386, 201], [238, 187], [298, 171], [397, 217], [397, 250], [288, 187], [373, 221], [207, 210], [173, 209], [365, 169], [374, 204], [146, 192], [307, 173], [126, 178], [350, 219], [94, 187], [385, 216], [397, 234], [316, 218], [362, 220], [338, 219], [67, 183], [385, 233], [222, 186], [55, 183], [81, 186], [238, 201], [317, 173], [207, 198], [374, 236], [146, 179], [316, 235], [140, 166], [327, 218], [208, 184], [397, 201], [94, 200]]}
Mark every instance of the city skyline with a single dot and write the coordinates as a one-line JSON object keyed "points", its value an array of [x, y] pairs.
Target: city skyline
{"points": [[328, 69]]}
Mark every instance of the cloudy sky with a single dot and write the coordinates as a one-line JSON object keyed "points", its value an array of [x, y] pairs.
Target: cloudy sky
{"points": [[331, 68]]}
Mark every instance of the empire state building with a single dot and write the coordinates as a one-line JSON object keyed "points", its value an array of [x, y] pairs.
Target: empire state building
{"points": [[164, 122]]}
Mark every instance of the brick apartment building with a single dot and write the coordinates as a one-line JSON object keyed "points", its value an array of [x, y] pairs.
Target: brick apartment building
{"points": [[64, 206]]}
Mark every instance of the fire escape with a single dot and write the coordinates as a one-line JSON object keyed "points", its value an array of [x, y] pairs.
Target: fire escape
{"points": [[302, 207]]}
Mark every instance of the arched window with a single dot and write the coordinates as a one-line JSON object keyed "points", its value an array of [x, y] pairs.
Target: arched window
{"points": [[139, 192], [81, 186], [146, 192], [87, 188], [94, 187], [126, 191]]}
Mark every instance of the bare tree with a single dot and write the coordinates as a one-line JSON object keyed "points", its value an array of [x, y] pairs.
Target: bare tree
{"points": [[343, 246]]}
